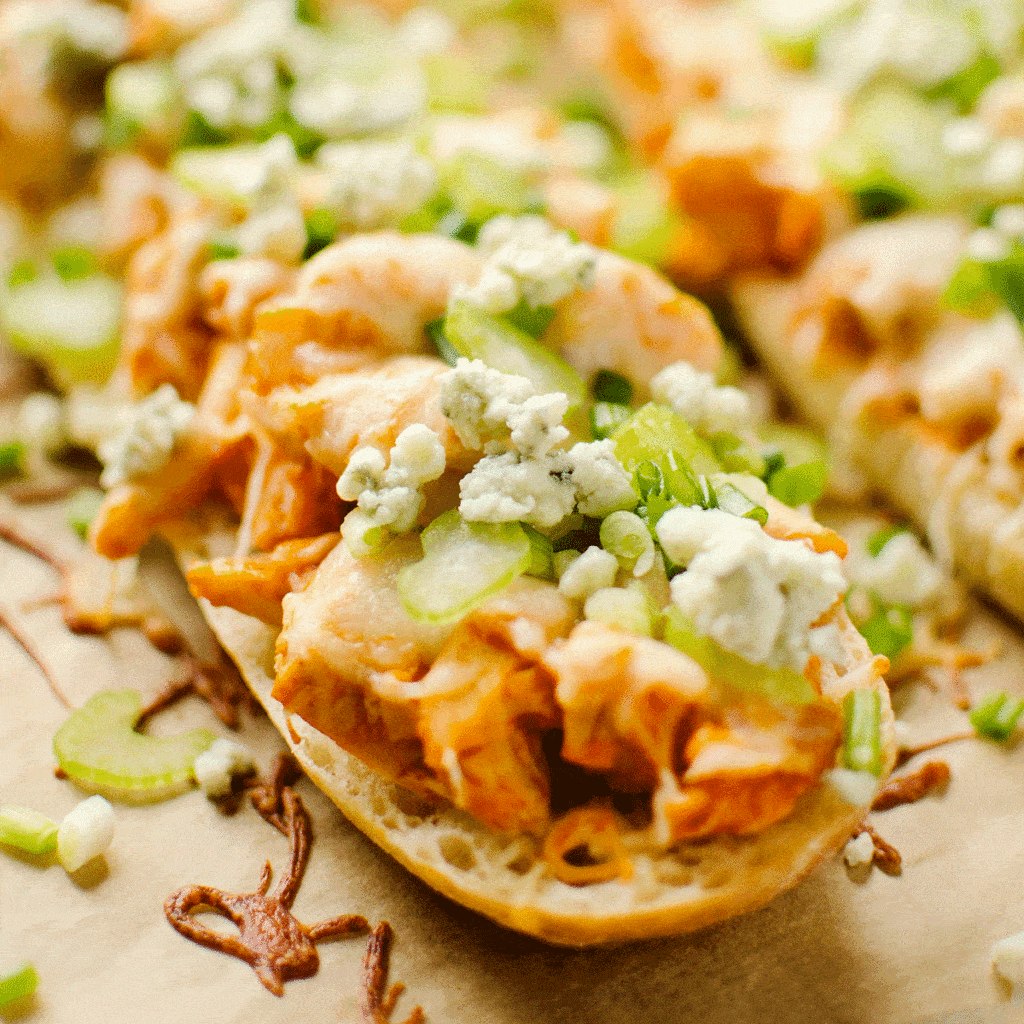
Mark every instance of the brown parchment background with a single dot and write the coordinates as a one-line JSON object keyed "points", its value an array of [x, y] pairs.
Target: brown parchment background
{"points": [[908, 949]]}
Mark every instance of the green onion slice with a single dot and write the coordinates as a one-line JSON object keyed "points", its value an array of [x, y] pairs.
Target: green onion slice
{"points": [[609, 386], [606, 417], [889, 630], [27, 829], [12, 458], [862, 724], [798, 485], [18, 984], [996, 716]]}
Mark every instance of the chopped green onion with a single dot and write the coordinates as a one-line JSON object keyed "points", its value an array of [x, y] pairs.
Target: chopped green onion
{"points": [[627, 537], [21, 273], [12, 459], [27, 829], [82, 509], [735, 454], [481, 188], [609, 386], [731, 499], [644, 226], [530, 320], [321, 229], [197, 131], [463, 564], [881, 200], [780, 685], [445, 349], [605, 417], [996, 716], [797, 485], [101, 752], [541, 554], [862, 723], [476, 335], [881, 537], [18, 984], [305, 140], [74, 262], [223, 250], [967, 85], [889, 630]]}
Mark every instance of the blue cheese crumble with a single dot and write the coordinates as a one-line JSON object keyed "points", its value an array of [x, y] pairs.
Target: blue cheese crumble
{"points": [[695, 396], [149, 432], [753, 594]]}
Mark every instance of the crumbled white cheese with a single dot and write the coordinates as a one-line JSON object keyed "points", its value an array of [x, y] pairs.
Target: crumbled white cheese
{"points": [[966, 137], [594, 570], [1004, 167], [857, 788], [986, 246], [509, 488], [85, 833], [708, 408], [147, 436], [602, 484], [1008, 220], [492, 410], [215, 767], [903, 573], [391, 497], [371, 184], [277, 231], [859, 851], [99, 29], [527, 260], [426, 30], [1008, 959], [753, 594]]}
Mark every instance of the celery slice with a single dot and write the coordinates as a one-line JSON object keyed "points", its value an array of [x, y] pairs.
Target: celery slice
{"points": [[18, 984], [476, 335], [644, 227], [100, 750], [480, 187], [463, 564], [70, 326], [27, 829], [781, 685], [141, 96], [654, 430]]}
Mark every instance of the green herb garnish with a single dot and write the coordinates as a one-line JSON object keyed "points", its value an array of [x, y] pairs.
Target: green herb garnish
{"points": [[996, 716], [862, 724]]}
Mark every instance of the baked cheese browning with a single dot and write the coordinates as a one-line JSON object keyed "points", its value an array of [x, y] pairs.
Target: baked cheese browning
{"points": [[257, 585], [360, 300]]}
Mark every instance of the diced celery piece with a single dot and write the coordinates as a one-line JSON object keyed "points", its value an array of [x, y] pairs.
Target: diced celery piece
{"points": [[731, 499], [644, 226], [463, 564], [654, 430], [798, 444], [27, 829], [735, 454], [970, 290], [530, 320], [782, 685], [100, 750], [881, 537], [798, 485], [862, 719], [474, 334], [21, 273], [480, 188], [72, 327], [967, 85], [17, 984], [541, 554], [321, 229], [445, 350], [893, 141]]}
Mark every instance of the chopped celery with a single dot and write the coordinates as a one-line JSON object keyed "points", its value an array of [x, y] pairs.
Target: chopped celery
{"points": [[605, 417], [321, 229], [889, 630], [476, 335], [967, 85], [609, 386], [70, 326], [541, 554], [100, 750], [463, 564], [781, 685], [644, 227], [74, 262], [731, 499], [305, 140], [12, 457], [197, 131], [530, 320], [27, 829], [798, 485], [654, 430], [862, 720], [881, 537], [970, 290], [797, 444], [996, 716], [17, 984], [480, 188], [82, 509]]}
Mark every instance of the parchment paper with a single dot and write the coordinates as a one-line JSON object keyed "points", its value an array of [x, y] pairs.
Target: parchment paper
{"points": [[909, 949]]}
